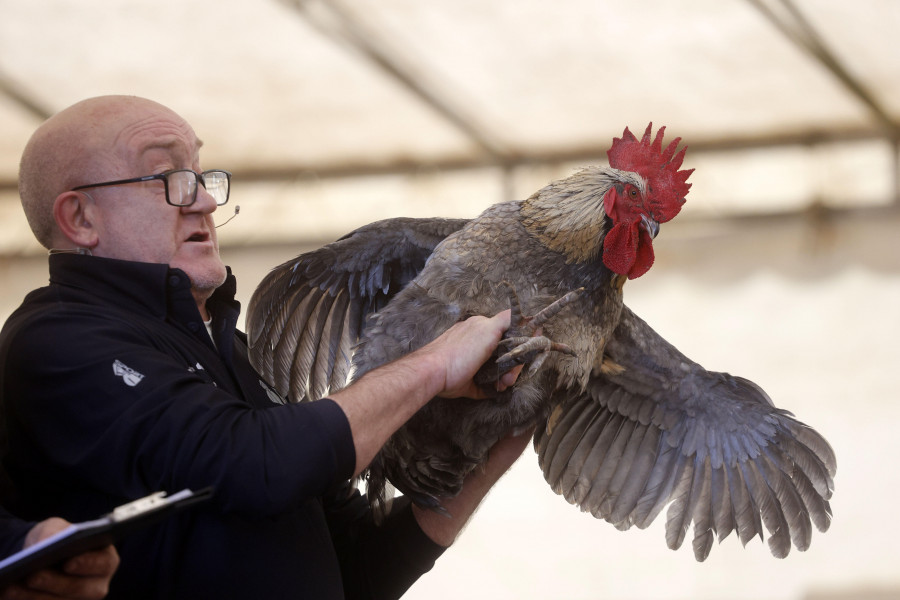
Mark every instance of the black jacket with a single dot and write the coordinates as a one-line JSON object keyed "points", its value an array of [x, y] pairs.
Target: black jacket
{"points": [[12, 533], [112, 389]]}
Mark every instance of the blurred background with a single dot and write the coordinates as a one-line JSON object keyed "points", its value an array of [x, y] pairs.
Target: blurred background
{"points": [[783, 266]]}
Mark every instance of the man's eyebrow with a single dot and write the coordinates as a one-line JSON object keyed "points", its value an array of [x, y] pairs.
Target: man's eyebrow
{"points": [[159, 144], [169, 145]]}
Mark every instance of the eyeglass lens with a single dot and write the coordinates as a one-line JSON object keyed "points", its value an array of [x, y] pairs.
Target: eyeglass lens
{"points": [[216, 183], [183, 186]]}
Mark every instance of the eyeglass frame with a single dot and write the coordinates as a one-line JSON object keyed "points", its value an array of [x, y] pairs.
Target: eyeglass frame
{"points": [[164, 177]]}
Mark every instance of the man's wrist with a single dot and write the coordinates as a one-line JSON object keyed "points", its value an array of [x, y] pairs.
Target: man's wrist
{"points": [[440, 529], [431, 367]]}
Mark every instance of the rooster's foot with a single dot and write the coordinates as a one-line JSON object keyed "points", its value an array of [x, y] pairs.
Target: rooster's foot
{"points": [[528, 345]]}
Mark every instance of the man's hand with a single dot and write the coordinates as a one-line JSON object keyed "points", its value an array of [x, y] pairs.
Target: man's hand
{"points": [[463, 348], [85, 576], [382, 400]]}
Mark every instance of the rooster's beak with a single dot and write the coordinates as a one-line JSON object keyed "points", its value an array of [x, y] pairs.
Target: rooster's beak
{"points": [[650, 225]]}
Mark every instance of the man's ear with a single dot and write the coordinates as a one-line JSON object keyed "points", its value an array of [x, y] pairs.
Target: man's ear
{"points": [[72, 212]]}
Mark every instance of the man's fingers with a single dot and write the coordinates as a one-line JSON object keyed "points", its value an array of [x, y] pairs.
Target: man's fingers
{"points": [[45, 529], [101, 562], [509, 378], [58, 584], [503, 318], [84, 576]]}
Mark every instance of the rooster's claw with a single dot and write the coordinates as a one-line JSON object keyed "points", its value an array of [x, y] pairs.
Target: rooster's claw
{"points": [[526, 347]]}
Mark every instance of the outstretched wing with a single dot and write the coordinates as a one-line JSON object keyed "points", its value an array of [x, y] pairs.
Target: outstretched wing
{"points": [[306, 315], [657, 429]]}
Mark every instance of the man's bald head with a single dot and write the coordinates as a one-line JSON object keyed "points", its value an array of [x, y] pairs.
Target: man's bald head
{"points": [[76, 146]]}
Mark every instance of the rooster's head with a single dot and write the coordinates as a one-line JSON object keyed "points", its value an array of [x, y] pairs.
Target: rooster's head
{"points": [[637, 210], [614, 211]]}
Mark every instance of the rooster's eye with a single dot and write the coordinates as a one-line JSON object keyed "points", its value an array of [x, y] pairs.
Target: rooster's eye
{"points": [[633, 193]]}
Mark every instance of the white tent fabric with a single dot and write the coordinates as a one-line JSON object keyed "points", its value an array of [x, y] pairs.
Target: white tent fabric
{"points": [[335, 113], [352, 110]]}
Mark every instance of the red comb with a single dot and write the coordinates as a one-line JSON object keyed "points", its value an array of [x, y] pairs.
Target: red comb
{"points": [[667, 185]]}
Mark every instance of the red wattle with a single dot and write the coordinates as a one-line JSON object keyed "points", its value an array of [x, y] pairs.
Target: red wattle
{"points": [[644, 256], [620, 247], [628, 250]]}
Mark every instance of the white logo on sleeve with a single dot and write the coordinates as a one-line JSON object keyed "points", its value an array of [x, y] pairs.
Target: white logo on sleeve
{"points": [[128, 375]]}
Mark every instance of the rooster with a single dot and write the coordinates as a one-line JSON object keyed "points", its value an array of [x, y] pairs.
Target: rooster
{"points": [[625, 424]]}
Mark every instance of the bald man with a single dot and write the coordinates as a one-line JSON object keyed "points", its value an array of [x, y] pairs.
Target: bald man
{"points": [[126, 375]]}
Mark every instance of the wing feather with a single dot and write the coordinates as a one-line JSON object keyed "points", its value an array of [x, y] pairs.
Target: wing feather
{"points": [[269, 317], [770, 509], [702, 508], [678, 517], [285, 352], [795, 514], [816, 505], [720, 499], [594, 464], [659, 486], [746, 513], [637, 478], [320, 377], [627, 470], [576, 423], [594, 459], [573, 482], [310, 331], [596, 501]]}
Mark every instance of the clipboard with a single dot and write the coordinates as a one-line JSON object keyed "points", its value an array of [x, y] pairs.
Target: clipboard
{"points": [[91, 535]]}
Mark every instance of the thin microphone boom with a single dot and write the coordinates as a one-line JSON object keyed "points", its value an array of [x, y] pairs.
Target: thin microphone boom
{"points": [[237, 209]]}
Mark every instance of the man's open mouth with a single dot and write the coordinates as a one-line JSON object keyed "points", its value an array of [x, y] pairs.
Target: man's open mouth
{"points": [[199, 237]]}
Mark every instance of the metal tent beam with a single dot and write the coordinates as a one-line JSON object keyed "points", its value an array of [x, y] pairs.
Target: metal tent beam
{"points": [[341, 24], [17, 94], [574, 154]]}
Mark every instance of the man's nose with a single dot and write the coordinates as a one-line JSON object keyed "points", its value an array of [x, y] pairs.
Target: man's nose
{"points": [[205, 203]]}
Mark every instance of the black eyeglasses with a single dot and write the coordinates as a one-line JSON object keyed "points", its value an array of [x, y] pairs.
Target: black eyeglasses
{"points": [[181, 185]]}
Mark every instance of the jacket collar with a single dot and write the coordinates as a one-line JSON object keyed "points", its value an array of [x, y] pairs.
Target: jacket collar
{"points": [[149, 288]]}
